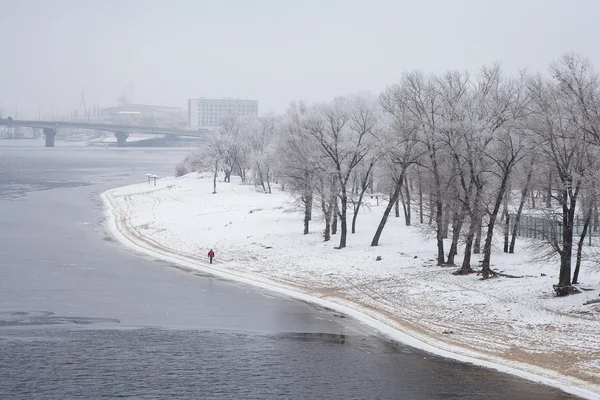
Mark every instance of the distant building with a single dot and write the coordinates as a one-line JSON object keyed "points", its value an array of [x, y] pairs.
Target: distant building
{"points": [[204, 112], [143, 114]]}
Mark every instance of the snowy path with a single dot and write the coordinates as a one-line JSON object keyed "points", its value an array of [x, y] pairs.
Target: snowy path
{"points": [[258, 237]]}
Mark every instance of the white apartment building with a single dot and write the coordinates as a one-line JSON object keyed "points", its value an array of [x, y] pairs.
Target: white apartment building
{"points": [[204, 112]]}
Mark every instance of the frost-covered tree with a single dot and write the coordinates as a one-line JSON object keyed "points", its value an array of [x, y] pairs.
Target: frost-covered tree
{"points": [[398, 144], [455, 129], [343, 131], [421, 98], [504, 104], [233, 145], [262, 135], [564, 125], [298, 164]]}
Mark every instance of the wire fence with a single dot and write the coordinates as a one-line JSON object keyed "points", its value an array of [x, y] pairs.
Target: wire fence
{"points": [[546, 228]]}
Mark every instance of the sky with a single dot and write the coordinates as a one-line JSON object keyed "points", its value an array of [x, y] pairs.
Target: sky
{"points": [[275, 51]]}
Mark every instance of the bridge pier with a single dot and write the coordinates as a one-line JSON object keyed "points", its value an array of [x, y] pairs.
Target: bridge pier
{"points": [[121, 138], [49, 133]]}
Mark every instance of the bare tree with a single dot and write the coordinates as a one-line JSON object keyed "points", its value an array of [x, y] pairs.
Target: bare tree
{"points": [[454, 129], [206, 158], [297, 165], [421, 98], [234, 147], [261, 138], [343, 132], [398, 142], [510, 152], [507, 102], [562, 142]]}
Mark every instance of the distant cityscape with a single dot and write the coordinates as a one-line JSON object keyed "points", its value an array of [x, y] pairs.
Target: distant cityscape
{"points": [[201, 113]]}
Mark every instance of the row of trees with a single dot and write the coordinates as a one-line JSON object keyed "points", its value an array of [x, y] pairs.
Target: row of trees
{"points": [[469, 152]]}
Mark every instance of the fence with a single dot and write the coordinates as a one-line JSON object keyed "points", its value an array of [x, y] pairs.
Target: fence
{"points": [[546, 227]]}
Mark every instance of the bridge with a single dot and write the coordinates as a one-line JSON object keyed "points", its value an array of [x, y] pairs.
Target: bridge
{"points": [[121, 132]]}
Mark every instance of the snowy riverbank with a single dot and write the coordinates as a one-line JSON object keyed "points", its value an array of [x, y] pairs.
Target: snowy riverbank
{"points": [[509, 324]]}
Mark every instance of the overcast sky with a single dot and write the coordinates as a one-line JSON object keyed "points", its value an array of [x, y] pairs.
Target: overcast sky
{"points": [[274, 51]]}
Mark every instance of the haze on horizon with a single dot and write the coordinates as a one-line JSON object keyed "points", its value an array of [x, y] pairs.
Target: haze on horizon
{"points": [[269, 50]]}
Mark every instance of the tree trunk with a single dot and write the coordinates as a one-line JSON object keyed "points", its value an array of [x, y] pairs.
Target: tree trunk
{"points": [[439, 204], [334, 223], [327, 209], [473, 223], [268, 177], [447, 219], [259, 174], [343, 220], [586, 224], [242, 172], [364, 185], [506, 230], [420, 197], [440, 230], [406, 202], [511, 248], [465, 267], [478, 230], [396, 207], [215, 176], [564, 276], [487, 247], [457, 223], [564, 279], [475, 212], [431, 207], [506, 217], [327, 231], [388, 210], [549, 191], [308, 201]]}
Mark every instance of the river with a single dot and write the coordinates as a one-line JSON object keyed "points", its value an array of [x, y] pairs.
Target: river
{"points": [[81, 316]]}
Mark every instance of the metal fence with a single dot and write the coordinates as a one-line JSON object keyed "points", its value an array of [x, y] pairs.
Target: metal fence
{"points": [[548, 227]]}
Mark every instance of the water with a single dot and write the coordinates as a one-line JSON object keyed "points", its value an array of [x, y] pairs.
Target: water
{"points": [[83, 317]]}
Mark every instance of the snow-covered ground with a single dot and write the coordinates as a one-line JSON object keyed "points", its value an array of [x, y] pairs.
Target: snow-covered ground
{"points": [[515, 325]]}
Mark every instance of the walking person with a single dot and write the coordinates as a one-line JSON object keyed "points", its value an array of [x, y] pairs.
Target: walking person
{"points": [[211, 255]]}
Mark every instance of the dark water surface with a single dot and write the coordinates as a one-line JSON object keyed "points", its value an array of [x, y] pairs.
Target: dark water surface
{"points": [[83, 317]]}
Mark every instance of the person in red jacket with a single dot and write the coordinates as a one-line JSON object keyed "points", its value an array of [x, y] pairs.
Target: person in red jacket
{"points": [[211, 255]]}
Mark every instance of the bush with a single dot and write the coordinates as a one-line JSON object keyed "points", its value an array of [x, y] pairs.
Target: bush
{"points": [[181, 169]]}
